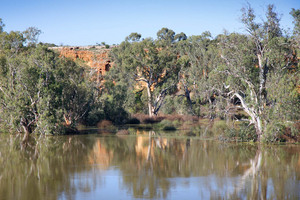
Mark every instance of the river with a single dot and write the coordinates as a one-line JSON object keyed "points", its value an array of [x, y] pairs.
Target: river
{"points": [[146, 166]]}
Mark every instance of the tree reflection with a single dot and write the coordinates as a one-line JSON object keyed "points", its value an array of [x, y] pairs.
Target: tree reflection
{"points": [[149, 165], [43, 169]]}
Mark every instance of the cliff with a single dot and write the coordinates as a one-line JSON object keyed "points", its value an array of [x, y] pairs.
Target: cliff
{"points": [[94, 56]]}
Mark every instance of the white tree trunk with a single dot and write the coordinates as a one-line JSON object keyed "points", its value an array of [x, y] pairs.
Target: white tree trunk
{"points": [[255, 119], [150, 107]]}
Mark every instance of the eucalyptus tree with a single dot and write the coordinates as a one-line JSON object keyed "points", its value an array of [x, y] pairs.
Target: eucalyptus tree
{"points": [[1, 25], [148, 64], [180, 37], [12, 42], [251, 61], [296, 15], [31, 35], [41, 93], [296, 32], [197, 59], [165, 36]]}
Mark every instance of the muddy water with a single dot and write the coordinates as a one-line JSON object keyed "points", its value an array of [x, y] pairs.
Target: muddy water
{"points": [[146, 167]]}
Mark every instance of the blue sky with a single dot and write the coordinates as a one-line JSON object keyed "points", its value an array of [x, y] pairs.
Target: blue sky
{"points": [[87, 22]]}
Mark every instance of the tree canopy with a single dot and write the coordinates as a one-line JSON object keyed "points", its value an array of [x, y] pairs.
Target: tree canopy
{"points": [[255, 74]]}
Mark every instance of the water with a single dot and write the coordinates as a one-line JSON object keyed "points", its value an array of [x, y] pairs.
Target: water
{"points": [[146, 167]]}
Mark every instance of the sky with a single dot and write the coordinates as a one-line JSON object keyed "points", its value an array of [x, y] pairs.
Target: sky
{"points": [[88, 22]]}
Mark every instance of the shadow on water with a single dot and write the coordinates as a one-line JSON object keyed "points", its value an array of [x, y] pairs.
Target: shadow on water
{"points": [[147, 165]]}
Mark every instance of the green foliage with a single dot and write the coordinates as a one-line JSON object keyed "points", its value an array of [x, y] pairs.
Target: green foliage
{"points": [[166, 36], [175, 105], [296, 15], [40, 91], [133, 37], [12, 42], [179, 37], [256, 71], [110, 105], [1, 25], [113, 102], [166, 125], [149, 65], [172, 74], [133, 121], [219, 127], [247, 132], [274, 131], [31, 35], [244, 132]]}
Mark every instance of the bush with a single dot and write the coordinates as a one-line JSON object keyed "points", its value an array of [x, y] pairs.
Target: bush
{"points": [[166, 125], [243, 133], [133, 121], [169, 128], [247, 133], [219, 127], [152, 120], [274, 132]]}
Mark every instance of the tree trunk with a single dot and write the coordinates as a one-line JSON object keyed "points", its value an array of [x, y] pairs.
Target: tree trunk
{"points": [[255, 119], [258, 127], [263, 70], [26, 134], [150, 107], [188, 98], [27, 129]]}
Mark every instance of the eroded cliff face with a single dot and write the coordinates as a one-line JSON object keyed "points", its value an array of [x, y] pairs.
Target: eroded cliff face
{"points": [[96, 57]]}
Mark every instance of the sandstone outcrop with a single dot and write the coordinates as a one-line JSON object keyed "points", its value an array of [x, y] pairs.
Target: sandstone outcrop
{"points": [[96, 57]]}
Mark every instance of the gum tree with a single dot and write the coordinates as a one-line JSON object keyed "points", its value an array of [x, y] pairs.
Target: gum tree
{"points": [[197, 58], [251, 61], [39, 91], [148, 64]]}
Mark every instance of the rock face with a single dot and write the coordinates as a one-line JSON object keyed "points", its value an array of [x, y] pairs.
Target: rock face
{"points": [[96, 57]]}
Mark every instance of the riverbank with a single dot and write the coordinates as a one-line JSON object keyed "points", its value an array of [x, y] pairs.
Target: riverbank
{"points": [[187, 125]]}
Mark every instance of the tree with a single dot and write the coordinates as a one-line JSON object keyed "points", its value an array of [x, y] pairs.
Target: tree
{"points": [[179, 37], [148, 64], [197, 58], [133, 37], [296, 15], [296, 33], [12, 42], [251, 61], [41, 93], [1, 25], [165, 36], [31, 35]]}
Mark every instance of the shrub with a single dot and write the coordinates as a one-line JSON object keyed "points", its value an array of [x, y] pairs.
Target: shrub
{"points": [[152, 120], [247, 133], [166, 125], [219, 127], [274, 132], [169, 128], [133, 121]]}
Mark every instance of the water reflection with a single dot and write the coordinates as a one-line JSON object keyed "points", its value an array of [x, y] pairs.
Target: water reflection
{"points": [[147, 165]]}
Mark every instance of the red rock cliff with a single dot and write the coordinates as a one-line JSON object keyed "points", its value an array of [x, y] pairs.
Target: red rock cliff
{"points": [[94, 56]]}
